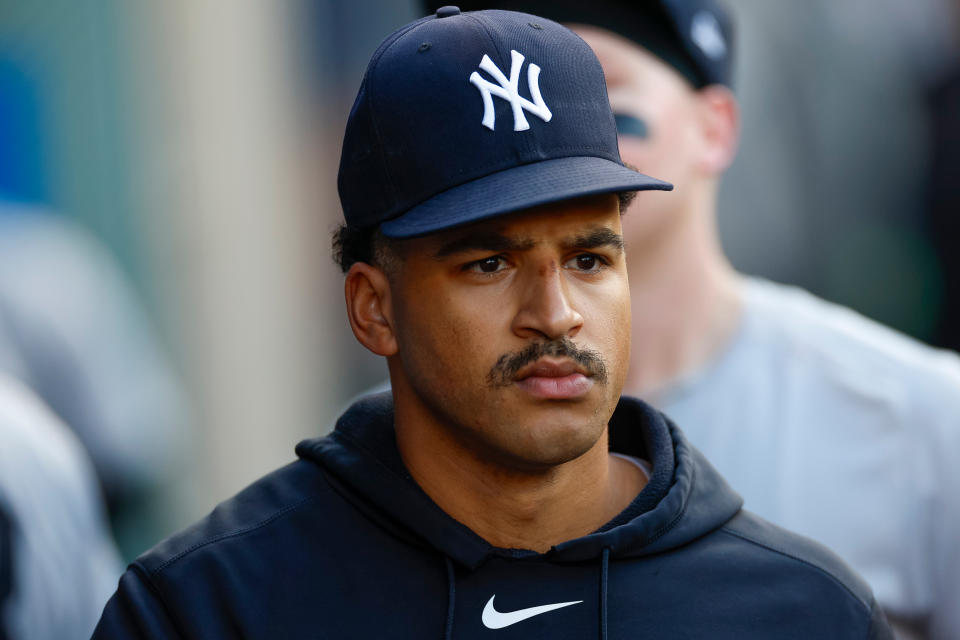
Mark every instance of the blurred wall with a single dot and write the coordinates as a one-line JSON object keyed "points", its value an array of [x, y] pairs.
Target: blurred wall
{"points": [[829, 190], [67, 105], [238, 203], [244, 105]]}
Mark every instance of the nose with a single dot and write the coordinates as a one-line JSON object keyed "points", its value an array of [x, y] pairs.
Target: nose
{"points": [[545, 309]]}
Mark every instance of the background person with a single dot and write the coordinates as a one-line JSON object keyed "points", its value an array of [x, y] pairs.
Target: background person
{"points": [[72, 329], [58, 564], [828, 423]]}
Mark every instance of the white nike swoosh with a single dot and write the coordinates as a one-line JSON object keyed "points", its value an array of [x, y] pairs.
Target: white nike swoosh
{"points": [[493, 619]]}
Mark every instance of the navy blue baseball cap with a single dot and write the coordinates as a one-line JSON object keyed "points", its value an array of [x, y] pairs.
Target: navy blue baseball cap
{"points": [[695, 37], [466, 116]]}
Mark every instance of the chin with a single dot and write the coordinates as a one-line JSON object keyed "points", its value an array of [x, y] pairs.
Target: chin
{"points": [[549, 443]]}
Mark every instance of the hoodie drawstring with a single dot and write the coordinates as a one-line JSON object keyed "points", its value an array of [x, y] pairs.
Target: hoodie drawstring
{"points": [[451, 599], [604, 570]]}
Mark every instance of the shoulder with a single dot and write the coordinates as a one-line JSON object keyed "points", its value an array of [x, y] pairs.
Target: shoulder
{"points": [[846, 349], [800, 556], [788, 312], [40, 457], [823, 591], [263, 514], [277, 546], [37, 247], [31, 234]]}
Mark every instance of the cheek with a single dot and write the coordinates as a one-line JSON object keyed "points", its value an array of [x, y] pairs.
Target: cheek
{"points": [[619, 322], [608, 319], [445, 333], [618, 355]]}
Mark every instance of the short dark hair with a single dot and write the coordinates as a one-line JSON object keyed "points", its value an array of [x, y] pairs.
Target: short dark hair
{"points": [[354, 244], [369, 245]]}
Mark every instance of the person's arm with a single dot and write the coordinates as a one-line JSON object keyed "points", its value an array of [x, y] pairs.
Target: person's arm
{"points": [[945, 548], [6, 568], [63, 564]]}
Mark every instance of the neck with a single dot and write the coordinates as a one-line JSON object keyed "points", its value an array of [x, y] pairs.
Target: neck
{"points": [[685, 296], [511, 508]]}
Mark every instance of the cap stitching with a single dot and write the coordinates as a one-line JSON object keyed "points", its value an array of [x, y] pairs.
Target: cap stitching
{"points": [[486, 30], [374, 126]]}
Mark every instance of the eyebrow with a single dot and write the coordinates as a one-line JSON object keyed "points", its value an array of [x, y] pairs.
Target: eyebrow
{"points": [[496, 242], [601, 237], [484, 241]]}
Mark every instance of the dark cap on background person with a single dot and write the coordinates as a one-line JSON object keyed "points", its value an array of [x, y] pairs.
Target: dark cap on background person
{"points": [[465, 116], [695, 37]]}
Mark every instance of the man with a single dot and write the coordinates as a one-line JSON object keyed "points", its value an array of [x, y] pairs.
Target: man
{"points": [[827, 423], [58, 564], [482, 191]]}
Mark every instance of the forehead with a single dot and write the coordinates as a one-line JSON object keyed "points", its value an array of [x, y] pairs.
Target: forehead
{"points": [[594, 219], [625, 63]]}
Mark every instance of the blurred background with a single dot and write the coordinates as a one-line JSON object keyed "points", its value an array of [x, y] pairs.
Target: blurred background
{"points": [[168, 188]]}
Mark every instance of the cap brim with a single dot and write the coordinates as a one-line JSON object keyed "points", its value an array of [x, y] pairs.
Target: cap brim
{"points": [[519, 188]]}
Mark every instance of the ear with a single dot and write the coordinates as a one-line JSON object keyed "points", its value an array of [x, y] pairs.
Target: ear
{"points": [[367, 292], [720, 127]]}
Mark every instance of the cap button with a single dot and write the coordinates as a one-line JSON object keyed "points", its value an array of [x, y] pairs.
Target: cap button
{"points": [[446, 12]]}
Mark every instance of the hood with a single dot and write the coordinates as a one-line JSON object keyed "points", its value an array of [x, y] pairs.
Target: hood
{"points": [[684, 499]]}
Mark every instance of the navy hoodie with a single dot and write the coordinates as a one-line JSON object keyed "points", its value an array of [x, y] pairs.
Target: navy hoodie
{"points": [[342, 543]]}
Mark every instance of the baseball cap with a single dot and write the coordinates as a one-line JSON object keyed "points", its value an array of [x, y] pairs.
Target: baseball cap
{"points": [[695, 37], [466, 116]]}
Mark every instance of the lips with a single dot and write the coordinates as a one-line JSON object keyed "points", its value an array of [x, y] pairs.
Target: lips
{"points": [[554, 379]]}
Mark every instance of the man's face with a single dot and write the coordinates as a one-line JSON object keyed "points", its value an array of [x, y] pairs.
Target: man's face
{"points": [[656, 114], [513, 333]]}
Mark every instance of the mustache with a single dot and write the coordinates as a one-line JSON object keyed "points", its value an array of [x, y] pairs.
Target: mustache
{"points": [[505, 370]]}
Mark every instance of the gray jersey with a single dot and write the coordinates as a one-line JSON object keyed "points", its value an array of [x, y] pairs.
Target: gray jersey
{"points": [[843, 430]]}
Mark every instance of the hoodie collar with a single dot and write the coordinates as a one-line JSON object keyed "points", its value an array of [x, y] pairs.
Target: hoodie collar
{"points": [[684, 498]]}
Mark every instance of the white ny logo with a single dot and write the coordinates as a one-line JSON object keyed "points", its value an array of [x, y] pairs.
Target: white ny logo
{"points": [[508, 90]]}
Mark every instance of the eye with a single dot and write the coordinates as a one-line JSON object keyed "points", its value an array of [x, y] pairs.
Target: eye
{"points": [[491, 264], [587, 263]]}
